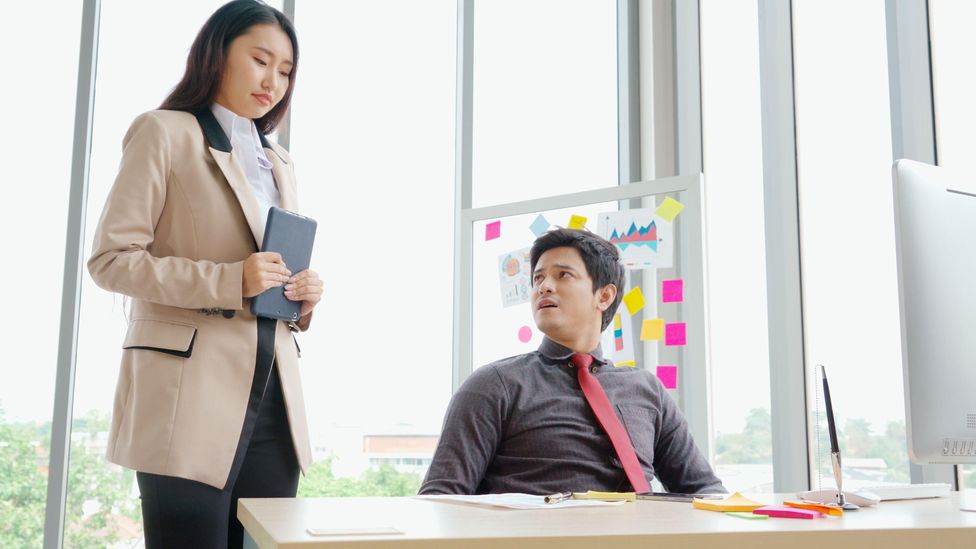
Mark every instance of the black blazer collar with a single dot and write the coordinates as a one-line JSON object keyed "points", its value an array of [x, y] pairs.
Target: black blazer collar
{"points": [[215, 134]]}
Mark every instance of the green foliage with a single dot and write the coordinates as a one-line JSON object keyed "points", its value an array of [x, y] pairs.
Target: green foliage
{"points": [[93, 485], [23, 489], [385, 481], [753, 445]]}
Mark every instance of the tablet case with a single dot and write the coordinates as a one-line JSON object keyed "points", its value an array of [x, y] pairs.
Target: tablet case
{"points": [[292, 236]]}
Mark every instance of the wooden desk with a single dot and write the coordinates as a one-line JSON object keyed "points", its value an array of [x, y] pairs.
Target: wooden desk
{"points": [[281, 523]]}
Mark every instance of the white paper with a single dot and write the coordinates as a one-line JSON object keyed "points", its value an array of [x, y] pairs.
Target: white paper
{"points": [[645, 240], [514, 277], [520, 501]]}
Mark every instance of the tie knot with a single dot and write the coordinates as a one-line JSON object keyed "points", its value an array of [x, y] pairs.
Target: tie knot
{"points": [[582, 360]]}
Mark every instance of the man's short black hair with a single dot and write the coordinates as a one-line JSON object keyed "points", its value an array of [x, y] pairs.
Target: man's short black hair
{"points": [[601, 258]]}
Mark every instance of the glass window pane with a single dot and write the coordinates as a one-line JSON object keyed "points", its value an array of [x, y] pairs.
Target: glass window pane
{"points": [[373, 143], [953, 41], [850, 297], [732, 141], [545, 99], [40, 128], [141, 56]]}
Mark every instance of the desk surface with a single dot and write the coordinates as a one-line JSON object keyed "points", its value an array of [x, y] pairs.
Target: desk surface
{"points": [[282, 523]]}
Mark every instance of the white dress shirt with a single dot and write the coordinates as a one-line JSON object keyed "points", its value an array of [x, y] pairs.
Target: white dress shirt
{"points": [[243, 134]]}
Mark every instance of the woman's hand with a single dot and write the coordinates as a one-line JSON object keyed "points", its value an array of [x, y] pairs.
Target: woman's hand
{"points": [[263, 270], [306, 287]]}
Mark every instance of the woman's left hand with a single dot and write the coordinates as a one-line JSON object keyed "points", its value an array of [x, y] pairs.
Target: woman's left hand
{"points": [[306, 287]]}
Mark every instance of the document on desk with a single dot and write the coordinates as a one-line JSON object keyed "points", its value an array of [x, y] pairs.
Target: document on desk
{"points": [[519, 501]]}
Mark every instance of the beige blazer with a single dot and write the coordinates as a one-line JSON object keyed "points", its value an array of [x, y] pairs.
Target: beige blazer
{"points": [[176, 228]]}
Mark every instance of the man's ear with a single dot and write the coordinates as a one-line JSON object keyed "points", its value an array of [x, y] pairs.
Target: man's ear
{"points": [[606, 295]]}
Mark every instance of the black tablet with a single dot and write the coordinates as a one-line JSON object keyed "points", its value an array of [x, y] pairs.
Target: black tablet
{"points": [[292, 236]]}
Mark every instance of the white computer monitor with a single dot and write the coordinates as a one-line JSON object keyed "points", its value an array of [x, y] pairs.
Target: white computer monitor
{"points": [[935, 239]]}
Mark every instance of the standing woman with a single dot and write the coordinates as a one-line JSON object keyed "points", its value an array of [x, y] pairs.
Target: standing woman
{"points": [[209, 404]]}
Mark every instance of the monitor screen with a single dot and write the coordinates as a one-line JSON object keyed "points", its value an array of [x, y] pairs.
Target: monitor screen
{"points": [[935, 238]]}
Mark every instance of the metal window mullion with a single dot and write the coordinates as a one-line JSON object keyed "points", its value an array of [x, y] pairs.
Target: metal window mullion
{"points": [[913, 126], [694, 392], [284, 128], [787, 373], [463, 290], [57, 484]]}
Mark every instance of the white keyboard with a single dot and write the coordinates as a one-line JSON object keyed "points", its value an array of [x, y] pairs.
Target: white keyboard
{"points": [[888, 492]]}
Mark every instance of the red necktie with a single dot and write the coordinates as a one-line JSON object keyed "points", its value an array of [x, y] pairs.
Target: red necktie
{"points": [[600, 404]]}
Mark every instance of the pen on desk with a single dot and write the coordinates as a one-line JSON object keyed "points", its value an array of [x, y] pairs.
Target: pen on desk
{"points": [[556, 498]]}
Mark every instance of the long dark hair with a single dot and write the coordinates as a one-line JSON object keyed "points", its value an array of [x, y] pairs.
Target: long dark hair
{"points": [[208, 56]]}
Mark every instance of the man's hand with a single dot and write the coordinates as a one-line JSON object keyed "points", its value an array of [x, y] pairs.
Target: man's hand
{"points": [[263, 270], [306, 287]]}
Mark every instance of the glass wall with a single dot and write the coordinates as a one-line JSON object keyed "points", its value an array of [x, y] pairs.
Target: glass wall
{"points": [[732, 155], [952, 41], [545, 99], [39, 128], [373, 144], [850, 298]]}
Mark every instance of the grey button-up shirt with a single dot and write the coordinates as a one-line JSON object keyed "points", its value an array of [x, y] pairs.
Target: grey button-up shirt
{"points": [[522, 424]]}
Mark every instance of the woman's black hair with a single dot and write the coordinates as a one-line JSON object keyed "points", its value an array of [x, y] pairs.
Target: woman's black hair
{"points": [[208, 56]]}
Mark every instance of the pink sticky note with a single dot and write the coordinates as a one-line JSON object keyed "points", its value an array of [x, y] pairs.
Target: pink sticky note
{"points": [[668, 376], [493, 230], [782, 511], [525, 334], [673, 291], [674, 334]]}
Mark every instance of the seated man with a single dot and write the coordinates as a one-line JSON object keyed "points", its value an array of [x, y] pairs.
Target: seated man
{"points": [[541, 423]]}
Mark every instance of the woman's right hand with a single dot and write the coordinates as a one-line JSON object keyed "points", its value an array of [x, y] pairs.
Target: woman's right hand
{"points": [[263, 270]]}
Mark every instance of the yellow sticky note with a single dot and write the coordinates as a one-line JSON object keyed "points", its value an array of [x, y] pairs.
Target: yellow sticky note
{"points": [[577, 222], [735, 502], [652, 329], [669, 209], [628, 364], [634, 300]]}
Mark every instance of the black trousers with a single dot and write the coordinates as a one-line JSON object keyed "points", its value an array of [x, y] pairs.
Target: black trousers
{"points": [[181, 513]]}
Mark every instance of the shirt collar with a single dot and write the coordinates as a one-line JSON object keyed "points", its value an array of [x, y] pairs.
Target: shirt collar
{"points": [[552, 350], [236, 126]]}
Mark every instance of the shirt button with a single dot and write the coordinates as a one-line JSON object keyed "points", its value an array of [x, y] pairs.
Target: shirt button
{"points": [[570, 365], [593, 370]]}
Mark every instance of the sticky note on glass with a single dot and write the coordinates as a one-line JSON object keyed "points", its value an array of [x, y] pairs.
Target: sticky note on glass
{"points": [[669, 209], [626, 364], [634, 300], [577, 222], [668, 376], [493, 230], [673, 291], [539, 226], [674, 333], [652, 330]]}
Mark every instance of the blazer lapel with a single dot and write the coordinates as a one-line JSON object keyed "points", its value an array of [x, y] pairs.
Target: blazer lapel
{"points": [[228, 163], [282, 177]]}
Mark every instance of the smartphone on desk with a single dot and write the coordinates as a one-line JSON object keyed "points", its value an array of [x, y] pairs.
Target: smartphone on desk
{"points": [[675, 496]]}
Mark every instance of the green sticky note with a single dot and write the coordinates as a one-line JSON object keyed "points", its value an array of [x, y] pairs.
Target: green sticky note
{"points": [[669, 209], [747, 516]]}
